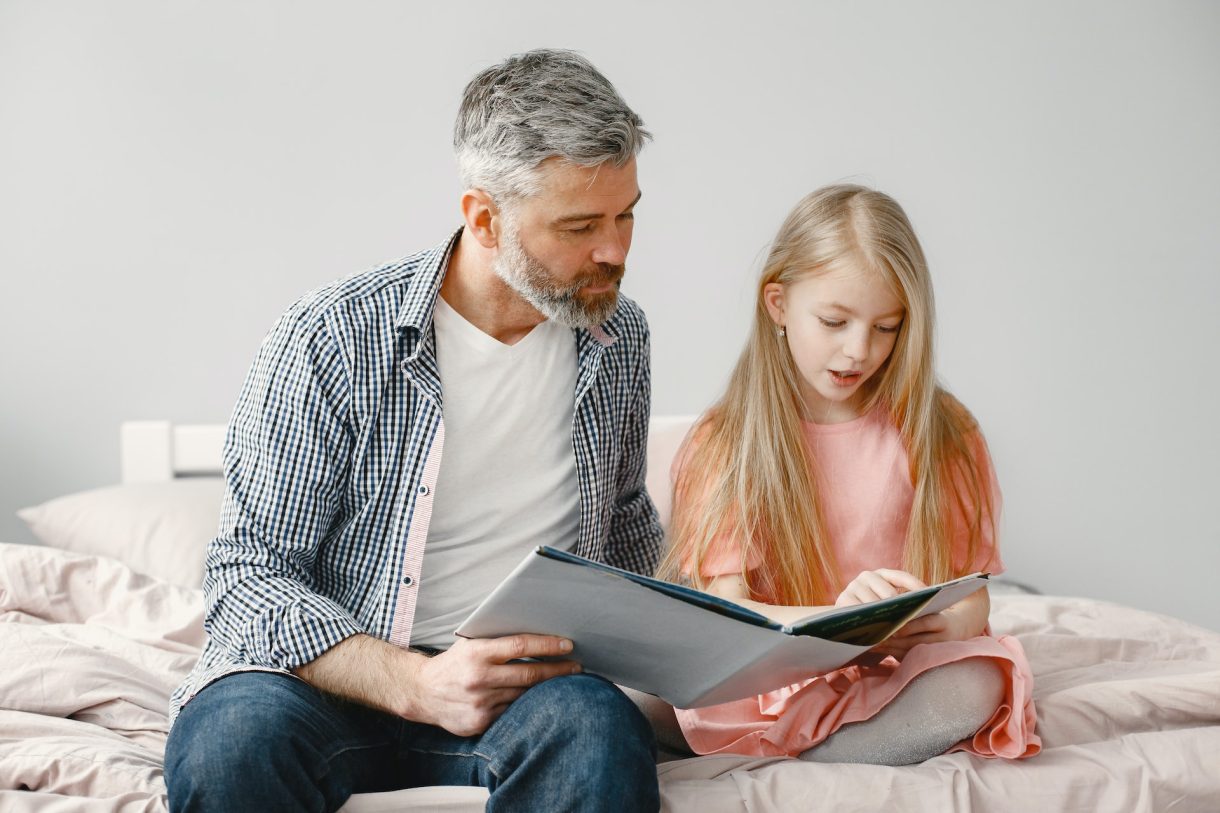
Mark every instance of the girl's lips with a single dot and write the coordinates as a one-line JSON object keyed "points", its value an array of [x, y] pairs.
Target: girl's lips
{"points": [[844, 379]]}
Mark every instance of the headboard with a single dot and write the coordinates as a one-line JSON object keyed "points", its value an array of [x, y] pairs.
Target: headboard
{"points": [[156, 451]]}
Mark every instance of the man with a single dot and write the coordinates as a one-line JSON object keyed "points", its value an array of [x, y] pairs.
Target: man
{"points": [[404, 437]]}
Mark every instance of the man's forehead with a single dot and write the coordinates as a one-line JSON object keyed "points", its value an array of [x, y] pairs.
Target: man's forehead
{"points": [[569, 189], [561, 175]]}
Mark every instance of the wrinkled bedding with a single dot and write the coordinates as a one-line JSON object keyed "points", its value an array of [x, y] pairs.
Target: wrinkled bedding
{"points": [[1128, 710]]}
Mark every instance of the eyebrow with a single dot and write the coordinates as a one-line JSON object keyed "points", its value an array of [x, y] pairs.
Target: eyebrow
{"points": [[596, 215], [850, 312]]}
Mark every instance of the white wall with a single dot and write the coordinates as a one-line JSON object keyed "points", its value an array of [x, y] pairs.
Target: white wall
{"points": [[173, 174]]}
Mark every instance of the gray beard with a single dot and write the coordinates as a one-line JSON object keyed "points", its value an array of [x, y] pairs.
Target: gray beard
{"points": [[561, 304]]}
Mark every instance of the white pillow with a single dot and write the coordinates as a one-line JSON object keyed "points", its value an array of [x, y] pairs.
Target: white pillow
{"points": [[161, 529]]}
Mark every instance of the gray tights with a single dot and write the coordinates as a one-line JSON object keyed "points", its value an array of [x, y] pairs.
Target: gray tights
{"points": [[935, 711]]}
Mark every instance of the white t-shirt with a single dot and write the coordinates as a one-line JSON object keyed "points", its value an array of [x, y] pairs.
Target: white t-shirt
{"points": [[507, 480]]}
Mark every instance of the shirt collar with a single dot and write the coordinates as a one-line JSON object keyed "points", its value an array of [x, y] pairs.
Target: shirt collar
{"points": [[416, 312]]}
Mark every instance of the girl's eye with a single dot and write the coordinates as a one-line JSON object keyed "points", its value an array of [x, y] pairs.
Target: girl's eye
{"points": [[831, 322], [888, 328]]}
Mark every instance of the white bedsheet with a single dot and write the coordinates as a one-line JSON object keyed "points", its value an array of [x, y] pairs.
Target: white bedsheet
{"points": [[1128, 709]]}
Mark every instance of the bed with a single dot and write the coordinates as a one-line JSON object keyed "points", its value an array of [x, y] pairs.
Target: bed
{"points": [[104, 620]]}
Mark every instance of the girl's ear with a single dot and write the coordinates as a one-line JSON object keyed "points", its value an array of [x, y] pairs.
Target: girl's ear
{"points": [[773, 298]]}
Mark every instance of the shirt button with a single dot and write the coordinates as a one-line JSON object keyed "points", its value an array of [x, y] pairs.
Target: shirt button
{"points": [[407, 581], [423, 491]]}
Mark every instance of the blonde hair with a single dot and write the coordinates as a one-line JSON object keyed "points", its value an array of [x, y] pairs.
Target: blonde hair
{"points": [[746, 468]]}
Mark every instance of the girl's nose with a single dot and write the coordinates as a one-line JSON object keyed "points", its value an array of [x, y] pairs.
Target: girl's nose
{"points": [[856, 347]]}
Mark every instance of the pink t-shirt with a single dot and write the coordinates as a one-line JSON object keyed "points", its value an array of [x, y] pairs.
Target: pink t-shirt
{"points": [[863, 479]]}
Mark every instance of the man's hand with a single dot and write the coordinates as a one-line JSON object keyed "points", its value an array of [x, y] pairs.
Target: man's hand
{"points": [[462, 690], [874, 585], [466, 688]]}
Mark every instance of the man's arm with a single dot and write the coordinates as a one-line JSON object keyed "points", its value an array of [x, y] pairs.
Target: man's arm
{"points": [[286, 456]]}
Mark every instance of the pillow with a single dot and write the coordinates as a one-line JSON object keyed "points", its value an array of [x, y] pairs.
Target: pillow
{"points": [[161, 529]]}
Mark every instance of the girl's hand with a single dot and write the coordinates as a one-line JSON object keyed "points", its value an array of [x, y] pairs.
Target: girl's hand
{"points": [[964, 620], [874, 585]]}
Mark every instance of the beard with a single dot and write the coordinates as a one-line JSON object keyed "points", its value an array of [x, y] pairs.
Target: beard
{"points": [[561, 302]]}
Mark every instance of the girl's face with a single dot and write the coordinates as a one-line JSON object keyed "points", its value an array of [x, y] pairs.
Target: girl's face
{"points": [[841, 327]]}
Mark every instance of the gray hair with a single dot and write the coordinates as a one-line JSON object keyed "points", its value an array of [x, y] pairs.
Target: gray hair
{"points": [[541, 104]]}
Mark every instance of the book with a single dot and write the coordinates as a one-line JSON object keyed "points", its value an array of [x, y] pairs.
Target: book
{"points": [[687, 647]]}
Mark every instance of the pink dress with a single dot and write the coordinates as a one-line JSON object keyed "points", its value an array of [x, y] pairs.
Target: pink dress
{"points": [[863, 478]]}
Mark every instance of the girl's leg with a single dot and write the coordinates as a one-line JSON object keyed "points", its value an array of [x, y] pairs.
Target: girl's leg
{"points": [[935, 711]]}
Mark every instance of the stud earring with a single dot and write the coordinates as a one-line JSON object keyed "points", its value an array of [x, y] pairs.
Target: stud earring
{"points": [[780, 332]]}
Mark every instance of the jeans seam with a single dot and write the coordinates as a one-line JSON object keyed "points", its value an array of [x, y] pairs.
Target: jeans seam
{"points": [[330, 758], [471, 755], [490, 766]]}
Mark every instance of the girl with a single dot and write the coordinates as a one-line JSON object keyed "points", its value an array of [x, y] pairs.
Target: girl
{"points": [[835, 471]]}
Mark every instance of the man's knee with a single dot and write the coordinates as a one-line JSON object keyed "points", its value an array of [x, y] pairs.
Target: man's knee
{"points": [[243, 737], [579, 742], [589, 713]]}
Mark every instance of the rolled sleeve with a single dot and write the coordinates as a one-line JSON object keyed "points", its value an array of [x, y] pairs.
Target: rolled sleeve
{"points": [[286, 463]]}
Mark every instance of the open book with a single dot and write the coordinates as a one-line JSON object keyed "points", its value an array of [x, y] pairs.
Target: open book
{"points": [[690, 648]]}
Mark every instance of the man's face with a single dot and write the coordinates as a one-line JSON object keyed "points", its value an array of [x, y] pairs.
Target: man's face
{"points": [[564, 249]]}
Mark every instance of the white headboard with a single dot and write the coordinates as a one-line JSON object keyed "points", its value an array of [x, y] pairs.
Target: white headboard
{"points": [[156, 451]]}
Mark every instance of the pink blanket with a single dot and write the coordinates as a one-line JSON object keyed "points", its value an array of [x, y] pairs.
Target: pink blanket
{"points": [[1128, 710]]}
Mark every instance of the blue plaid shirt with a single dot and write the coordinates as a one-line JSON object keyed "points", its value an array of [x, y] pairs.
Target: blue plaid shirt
{"points": [[332, 455]]}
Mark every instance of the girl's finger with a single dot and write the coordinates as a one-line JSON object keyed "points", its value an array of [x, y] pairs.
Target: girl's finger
{"points": [[911, 641], [901, 579], [846, 599], [928, 623], [877, 584]]}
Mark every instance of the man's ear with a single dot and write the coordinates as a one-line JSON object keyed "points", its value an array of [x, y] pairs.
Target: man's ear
{"points": [[773, 298], [482, 216]]}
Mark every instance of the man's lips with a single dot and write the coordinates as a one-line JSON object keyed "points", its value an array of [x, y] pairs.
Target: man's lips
{"points": [[602, 285]]}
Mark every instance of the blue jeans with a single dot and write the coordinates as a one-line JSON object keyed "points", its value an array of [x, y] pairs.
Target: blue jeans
{"points": [[265, 742]]}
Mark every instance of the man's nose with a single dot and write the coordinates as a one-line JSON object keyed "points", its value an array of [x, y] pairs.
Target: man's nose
{"points": [[611, 248]]}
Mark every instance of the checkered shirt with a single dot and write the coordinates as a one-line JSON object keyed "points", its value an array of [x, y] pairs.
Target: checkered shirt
{"points": [[331, 459]]}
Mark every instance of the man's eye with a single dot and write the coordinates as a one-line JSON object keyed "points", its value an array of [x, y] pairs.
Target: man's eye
{"points": [[627, 216], [831, 322], [588, 227]]}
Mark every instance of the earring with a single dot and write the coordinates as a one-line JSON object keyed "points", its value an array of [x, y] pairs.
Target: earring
{"points": [[780, 332]]}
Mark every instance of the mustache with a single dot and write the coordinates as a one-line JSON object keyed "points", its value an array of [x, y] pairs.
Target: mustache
{"points": [[606, 274]]}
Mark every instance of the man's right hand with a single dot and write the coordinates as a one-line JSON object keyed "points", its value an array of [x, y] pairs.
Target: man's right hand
{"points": [[467, 687]]}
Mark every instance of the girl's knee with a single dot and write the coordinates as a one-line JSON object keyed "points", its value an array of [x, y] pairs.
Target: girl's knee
{"points": [[980, 682]]}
